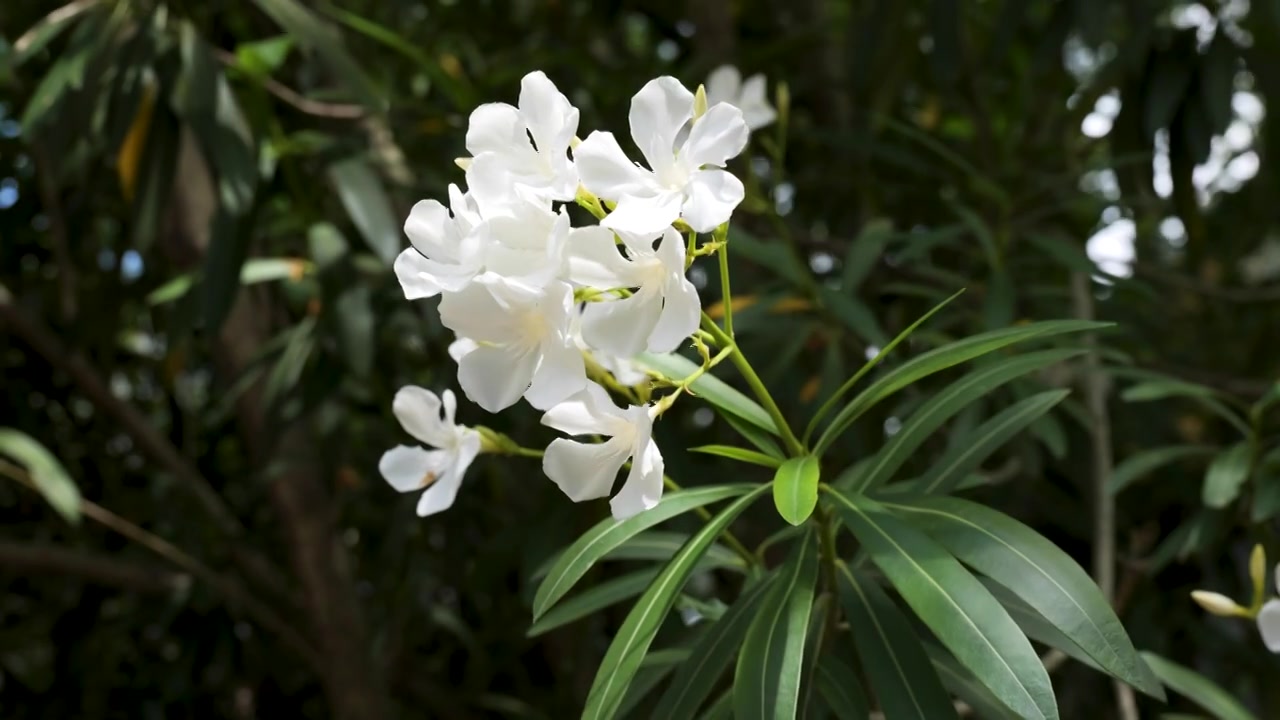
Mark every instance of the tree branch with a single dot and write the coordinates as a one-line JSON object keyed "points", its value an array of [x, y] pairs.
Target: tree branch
{"points": [[33, 559], [339, 111]]}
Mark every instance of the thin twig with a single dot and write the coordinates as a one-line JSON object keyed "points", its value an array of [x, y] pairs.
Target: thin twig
{"points": [[1236, 295], [1104, 509], [339, 111], [34, 559], [224, 586]]}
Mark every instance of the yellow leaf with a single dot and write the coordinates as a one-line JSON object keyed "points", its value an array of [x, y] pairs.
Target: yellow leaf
{"points": [[130, 154]]}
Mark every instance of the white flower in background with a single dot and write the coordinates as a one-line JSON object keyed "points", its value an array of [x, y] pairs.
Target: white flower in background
{"points": [[725, 85], [440, 470], [585, 471], [1269, 624], [448, 246], [523, 343], [686, 180], [525, 146], [624, 369], [658, 316]]}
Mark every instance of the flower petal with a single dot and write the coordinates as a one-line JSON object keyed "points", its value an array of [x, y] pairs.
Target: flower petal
{"points": [[495, 127], [561, 374], [642, 489], [681, 313], [495, 377], [606, 171], [645, 216], [716, 137], [713, 195], [1269, 625], [584, 471], [407, 468], [622, 327], [474, 312], [594, 260], [550, 117], [459, 348], [415, 276], [658, 112], [723, 85], [754, 103], [418, 410], [450, 403], [441, 494], [582, 414], [427, 228]]}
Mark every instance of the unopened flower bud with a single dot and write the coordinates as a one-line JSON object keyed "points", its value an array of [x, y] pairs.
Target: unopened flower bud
{"points": [[700, 103], [1258, 573], [463, 163], [1217, 604]]}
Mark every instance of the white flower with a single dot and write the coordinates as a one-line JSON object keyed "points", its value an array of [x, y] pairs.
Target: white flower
{"points": [[658, 316], [585, 471], [624, 369], [527, 146], [725, 85], [1269, 624], [678, 185], [523, 342], [440, 471], [447, 249]]}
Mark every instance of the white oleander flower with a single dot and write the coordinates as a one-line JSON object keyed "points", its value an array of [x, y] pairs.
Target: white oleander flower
{"points": [[660, 314], [523, 346], [1269, 620], [585, 471], [686, 179], [440, 471], [725, 84], [447, 246]]}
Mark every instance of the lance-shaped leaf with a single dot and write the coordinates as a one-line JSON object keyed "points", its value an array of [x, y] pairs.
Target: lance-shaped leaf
{"points": [[795, 488], [954, 605], [1036, 571], [603, 595], [608, 534], [838, 685], [766, 684], [1197, 688], [632, 640]]}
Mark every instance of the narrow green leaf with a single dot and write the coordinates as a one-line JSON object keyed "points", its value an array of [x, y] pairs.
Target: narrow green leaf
{"points": [[356, 330], [710, 388], [319, 37], [1043, 576], [254, 270], [854, 314], [838, 684], [766, 683], [1164, 389], [954, 605], [287, 371], [49, 476], [740, 454], [608, 534], [632, 640], [965, 457], [964, 685], [870, 364], [892, 656], [711, 655], [603, 595], [1137, 466], [655, 667], [795, 488], [47, 29], [760, 438], [1197, 688], [721, 709], [1226, 475], [944, 405], [366, 202], [1042, 631], [940, 359], [661, 545], [864, 252]]}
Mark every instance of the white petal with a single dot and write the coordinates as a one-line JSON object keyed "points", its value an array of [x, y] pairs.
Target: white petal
{"points": [[495, 127], [754, 103], [408, 468], [441, 494], [428, 228], [551, 118], [582, 414], [622, 327], [713, 195], [450, 403], [658, 112], [644, 216], [474, 312], [681, 314], [584, 471], [594, 260], [1269, 625], [716, 137], [606, 171], [528, 244], [495, 377], [418, 411], [413, 272], [491, 182], [643, 487], [561, 374], [723, 84], [459, 348]]}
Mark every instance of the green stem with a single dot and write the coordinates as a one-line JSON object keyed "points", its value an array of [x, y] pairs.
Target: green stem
{"points": [[726, 300], [730, 539], [794, 446]]}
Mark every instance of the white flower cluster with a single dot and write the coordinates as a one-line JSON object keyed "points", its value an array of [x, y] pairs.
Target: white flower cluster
{"points": [[528, 295]]}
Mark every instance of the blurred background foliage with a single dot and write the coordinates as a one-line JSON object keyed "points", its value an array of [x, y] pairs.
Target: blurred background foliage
{"points": [[199, 204]]}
